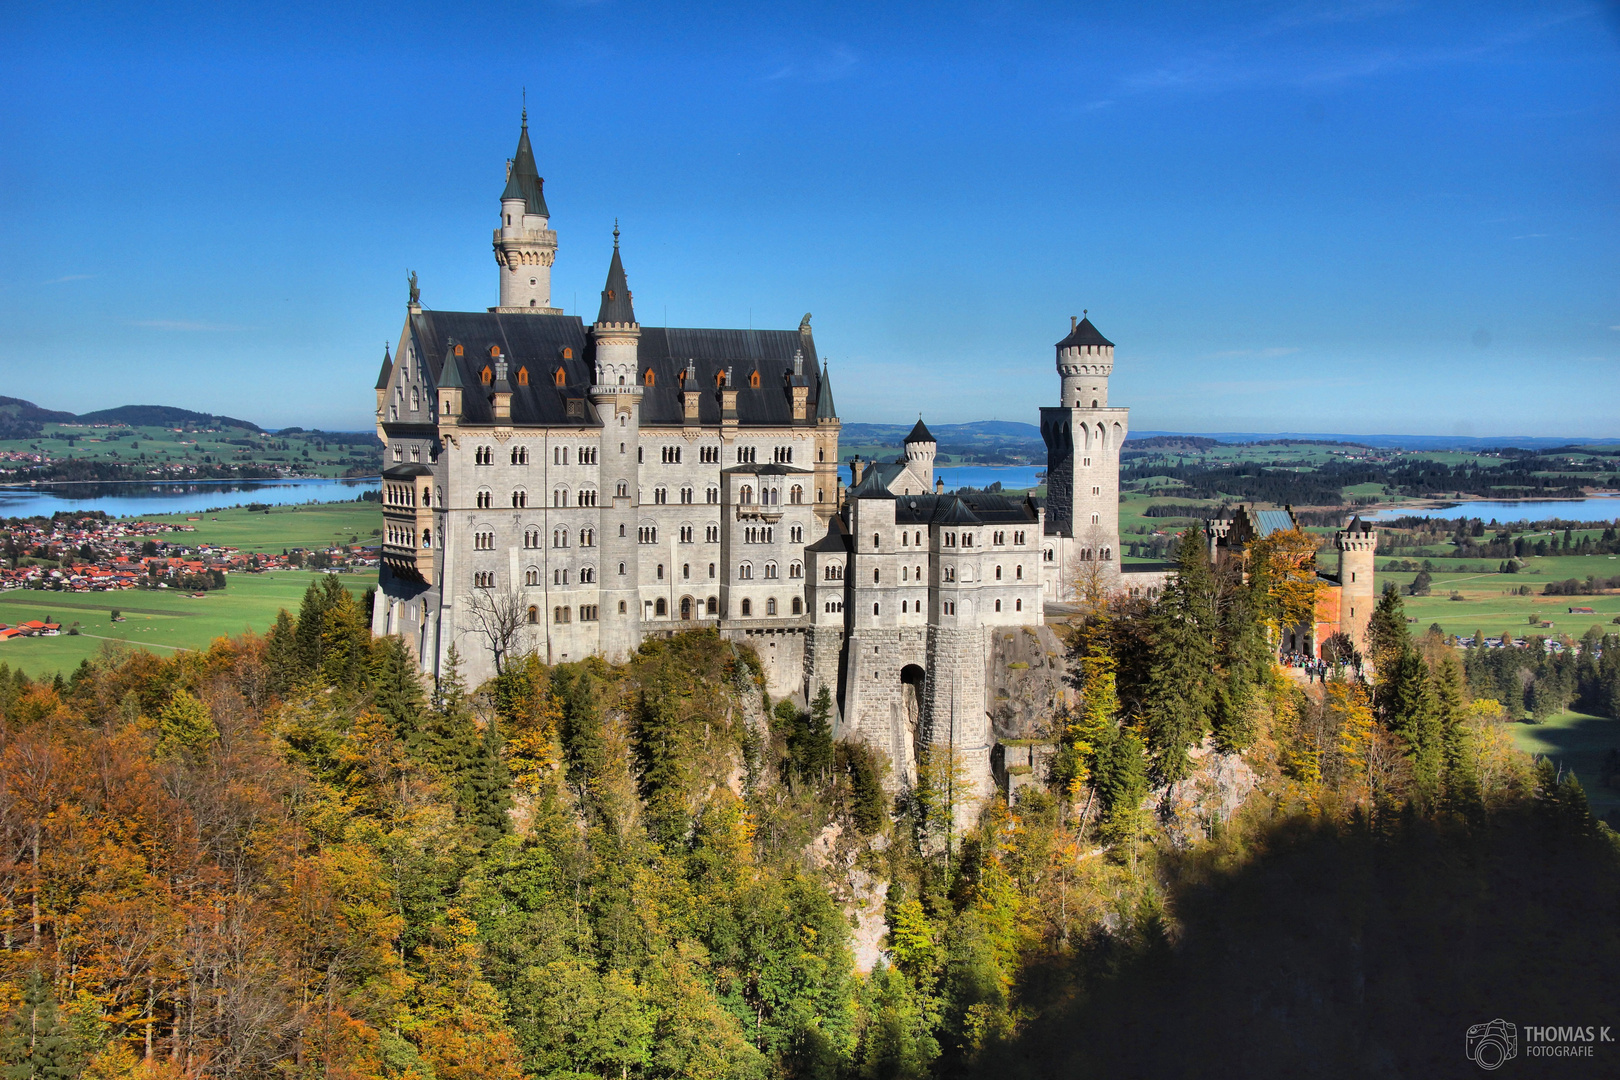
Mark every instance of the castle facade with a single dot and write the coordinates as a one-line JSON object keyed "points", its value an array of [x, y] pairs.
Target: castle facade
{"points": [[571, 489]]}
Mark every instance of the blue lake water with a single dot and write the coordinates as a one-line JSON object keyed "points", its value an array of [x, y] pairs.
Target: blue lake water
{"points": [[1012, 477], [189, 497], [1597, 508]]}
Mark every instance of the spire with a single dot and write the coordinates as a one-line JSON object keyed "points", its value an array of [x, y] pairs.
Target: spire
{"points": [[1083, 334], [523, 180], [824, 399], [450, 374], [920, 433], [616, 306], [387, 369]]}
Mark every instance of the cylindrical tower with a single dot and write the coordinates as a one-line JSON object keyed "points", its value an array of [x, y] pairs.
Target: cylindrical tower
{"points": [[1085, 360], [525, 246], [921, 448], [617, 397], [1357, 544]]}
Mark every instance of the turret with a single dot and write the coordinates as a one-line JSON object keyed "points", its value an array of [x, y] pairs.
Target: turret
{"points": [[450, 388], [827, 429], [921, 449], [525, 245], [1085, 359], [616, 394], [1357, 544]]}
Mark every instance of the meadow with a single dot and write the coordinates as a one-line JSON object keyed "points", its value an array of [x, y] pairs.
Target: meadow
{"points": [[1576, 742], [306, 453], [281, 528], [158, 620]]}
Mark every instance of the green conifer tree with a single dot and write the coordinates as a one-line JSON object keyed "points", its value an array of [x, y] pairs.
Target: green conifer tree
{"points": [[1181, 683], [35, 1044]]}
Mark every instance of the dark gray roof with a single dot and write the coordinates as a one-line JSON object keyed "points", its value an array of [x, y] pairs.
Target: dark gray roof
{"points": [[824, 399], [536, 343], [616, 307], [1084, 334], [920, 433], [770, 468], [984, 509], [387, 370], [874, 483], [452, 370], [405, 472], [837, 538], [525, 182]]}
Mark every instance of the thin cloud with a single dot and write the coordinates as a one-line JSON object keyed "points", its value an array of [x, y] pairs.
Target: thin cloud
{"points": [[1257, 354], [185, 326], [1529, 236], [833, 63], [68, 277]]}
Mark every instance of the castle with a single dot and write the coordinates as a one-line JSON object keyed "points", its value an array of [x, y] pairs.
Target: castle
{"points": [[573, 489]]}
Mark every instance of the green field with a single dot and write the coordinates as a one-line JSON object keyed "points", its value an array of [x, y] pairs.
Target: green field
{"points": [[1486, 605], [161, 620], [315, 525], [1579, 742]]}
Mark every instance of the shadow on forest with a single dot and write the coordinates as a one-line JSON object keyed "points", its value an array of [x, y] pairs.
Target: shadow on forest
{"points": [[1579, 743], [1328, 952]]}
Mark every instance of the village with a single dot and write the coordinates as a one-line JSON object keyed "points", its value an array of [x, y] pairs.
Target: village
{"points": [[91, 553]]}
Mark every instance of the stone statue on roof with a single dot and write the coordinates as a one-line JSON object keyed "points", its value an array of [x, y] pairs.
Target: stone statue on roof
{"points": [[416, 293]]}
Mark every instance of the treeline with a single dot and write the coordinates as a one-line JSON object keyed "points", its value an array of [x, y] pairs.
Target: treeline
{"points": [[78, 470], [1322, 485], [1537, 682]]}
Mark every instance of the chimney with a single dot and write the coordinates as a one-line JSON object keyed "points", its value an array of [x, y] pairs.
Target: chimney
{"points": [[939, 486], [856, 469]]}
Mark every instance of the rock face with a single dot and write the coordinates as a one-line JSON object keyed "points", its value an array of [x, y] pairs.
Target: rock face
{"points": [[1212, 793], [1024, 682]]}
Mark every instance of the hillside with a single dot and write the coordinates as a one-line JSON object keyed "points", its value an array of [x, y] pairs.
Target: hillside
{"points": [[162, 416]]}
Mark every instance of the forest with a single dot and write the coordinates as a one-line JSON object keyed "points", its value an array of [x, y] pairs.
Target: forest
{"points": [[285, 856]]}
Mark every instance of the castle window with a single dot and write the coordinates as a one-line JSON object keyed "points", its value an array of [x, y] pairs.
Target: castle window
{"points": [[686, 496], [876, 540], [745, 572], [711, 534], [621, 574], [559, 577], [531, 538], [458, 350], [1096, 519], [950, 573], [998, 573], [1018, 572], [523, 376], [587, 574], [660, 495], [484, 455], [648, 534], [1048, 554], [587, 613], [947, 607], [531, 576], [796, 495], [686, 534], [1018, 538], [747, 608], [905, 538], [559, 537], [770, 570], [686, 571], [520, 455], [999, 538], [795, 569], [660, 608], [998, 605], [520, 498], [647, 380], [660, 571], [903, 606], [1018, 605], [874, 611], [753, 379], [686, 608], [559, 496], [486, 376], [534, 615], [746, 495], [711, 571], [622, 491], [798, 606], [967, 539], [621, 607], [560, 615], [484, 579], [834, 572], [427, 538], [568, 354], [586, 497], [796, 534], [875, 575], [559, 377], [486, 499]]}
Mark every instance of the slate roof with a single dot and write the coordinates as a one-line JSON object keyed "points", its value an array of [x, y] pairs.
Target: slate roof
{"points": [[1084, 334], [1267, 522], [837, 538], [824, 399], [920, 433], [616, 307], [536, 343], [525, 182], [875, 481], [387, 370], [770, 468], [983, 509]]}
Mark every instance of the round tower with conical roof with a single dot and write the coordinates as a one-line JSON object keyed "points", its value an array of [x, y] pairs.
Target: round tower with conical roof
{"points": [[525, 245], [921, 449], [616, 393]]}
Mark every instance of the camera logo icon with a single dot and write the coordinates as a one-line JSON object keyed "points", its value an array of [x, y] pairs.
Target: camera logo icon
{"points": [[1489, 1045]]}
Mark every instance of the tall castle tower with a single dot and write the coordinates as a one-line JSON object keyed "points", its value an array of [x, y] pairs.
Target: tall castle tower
{"points": [[1083, 437], [1357, 544], [617, 397], [524, 246]]}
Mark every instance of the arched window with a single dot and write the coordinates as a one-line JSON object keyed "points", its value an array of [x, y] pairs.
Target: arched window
{"points": [[647, 380], [876, 540], [559, 537], [660, 608], [747, 608], [745, 572], [622, 491], [998, 573], [486, 376], [714, 605], [520, 498], [770, 606], [559, 377], [531, 576], [770, 570], [796, 495], [998, 605], [486, 499], [753, 379], [523, 376], [1018, 605], [795, 569], [798, 606], [686, 608], [427, 538], [746, 496], [534, 615]]}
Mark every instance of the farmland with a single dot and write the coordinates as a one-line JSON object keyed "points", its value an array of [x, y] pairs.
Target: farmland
{"points": [[160, 620]]}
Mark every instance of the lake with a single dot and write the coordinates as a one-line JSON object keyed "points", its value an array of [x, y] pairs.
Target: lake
{"points": [[1012, 477], [1597, 508], [141, 498]]}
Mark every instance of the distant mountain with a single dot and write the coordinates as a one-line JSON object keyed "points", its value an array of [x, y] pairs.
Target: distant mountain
{"points": [[21, 419], [1391, 442], [162, 416]]}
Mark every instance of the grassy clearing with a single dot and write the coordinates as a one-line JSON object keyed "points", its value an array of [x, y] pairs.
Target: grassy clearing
{"points": [[315, 525], [1486, 606], [160, 620], [1579, 742], [309, 453]]}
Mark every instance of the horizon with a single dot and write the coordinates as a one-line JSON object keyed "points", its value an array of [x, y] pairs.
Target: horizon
{"points": [[1283, 217]]}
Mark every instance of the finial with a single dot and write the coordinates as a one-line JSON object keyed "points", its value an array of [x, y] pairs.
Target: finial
{"points": [[1073, 322], [525, 106], [615, 233], [1085, 311]]}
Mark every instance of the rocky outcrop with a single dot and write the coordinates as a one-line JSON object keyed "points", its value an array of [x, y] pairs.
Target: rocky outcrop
{"points": [[1024, 683], [1210, 794]]}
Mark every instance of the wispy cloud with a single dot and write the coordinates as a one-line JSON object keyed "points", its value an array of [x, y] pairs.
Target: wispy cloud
{"points": [[1529, 236], [184, 325], [827, 65], [68, 277], [1256, 354]]}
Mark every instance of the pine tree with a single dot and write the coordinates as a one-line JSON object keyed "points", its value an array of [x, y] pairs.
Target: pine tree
{"points": [[1412, 712], [1181, 683], [35, 1044], [396, 691], [281, 655], [1461, 785], [468, 759]]}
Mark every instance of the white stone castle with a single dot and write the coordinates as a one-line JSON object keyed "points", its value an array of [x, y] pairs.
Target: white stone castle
{"points": [[573, 489]]}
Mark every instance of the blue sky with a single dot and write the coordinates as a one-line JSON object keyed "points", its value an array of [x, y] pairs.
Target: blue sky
{"points": [[1346, 217]]}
